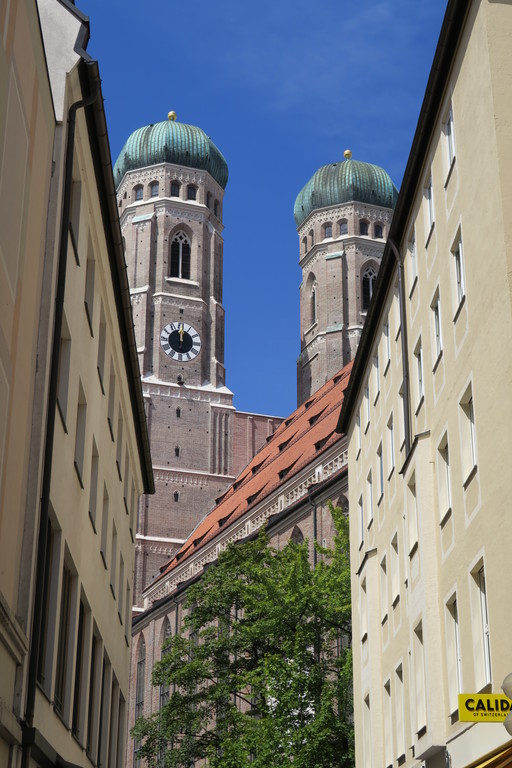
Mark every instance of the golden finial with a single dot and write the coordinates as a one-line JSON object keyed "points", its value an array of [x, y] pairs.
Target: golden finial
{"points": [[171, 115], [347, 154]]}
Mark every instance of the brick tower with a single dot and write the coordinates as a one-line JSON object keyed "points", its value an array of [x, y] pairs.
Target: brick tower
{"points": [[171, 180], [343, 215]]}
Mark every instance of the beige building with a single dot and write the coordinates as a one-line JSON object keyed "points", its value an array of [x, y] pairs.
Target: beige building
{"points": [[74, 450], [428, 414]]}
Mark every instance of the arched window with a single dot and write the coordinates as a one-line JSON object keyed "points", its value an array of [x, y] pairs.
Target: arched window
{"points": [[177, 451], [165, 688], [180, 256], [140, 682], [343, 227], [191, 192], [297, 536], [378, 231], [369, 277], [216, 208], [305, 244], [175, 189], [363, 227], [178, 413], [313, 302], [311, 237], [138, 192], [328, 229], [153, 189], [176, 496]]}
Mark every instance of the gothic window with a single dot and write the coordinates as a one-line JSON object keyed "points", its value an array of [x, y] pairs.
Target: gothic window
{"points": [[343, 227], [311, 237], [191, 192], [313, 302], [216, 208], [139, 695], [138, 192], [378, 231], [328, 230], [369, 277], [363, 227], [180, 256], [297, 536], [208, 200], [305, 244], [175, 189], [153, 189]]}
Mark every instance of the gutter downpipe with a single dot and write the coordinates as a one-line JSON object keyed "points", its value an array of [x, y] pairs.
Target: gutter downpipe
{"points": [[405, 358], [42, 544]]}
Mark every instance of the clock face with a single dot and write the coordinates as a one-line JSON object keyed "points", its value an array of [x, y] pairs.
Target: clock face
{"points": [[180, 341]]}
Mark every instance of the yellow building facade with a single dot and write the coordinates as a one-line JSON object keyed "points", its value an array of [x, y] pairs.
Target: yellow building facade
{"points": [[428, 414], [74, 450]]}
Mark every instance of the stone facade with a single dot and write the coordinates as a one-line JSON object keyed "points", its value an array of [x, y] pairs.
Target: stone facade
{"points": [[332, 305]]}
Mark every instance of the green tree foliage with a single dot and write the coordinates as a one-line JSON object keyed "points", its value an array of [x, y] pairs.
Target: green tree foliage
{"points": [[261, 673]]}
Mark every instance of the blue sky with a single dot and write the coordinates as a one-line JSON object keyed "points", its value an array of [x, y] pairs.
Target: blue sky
{"points": [[282, 88]]}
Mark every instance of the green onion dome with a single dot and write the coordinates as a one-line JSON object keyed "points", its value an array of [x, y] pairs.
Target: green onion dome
{"points": [[171, 142], [344, 182]]}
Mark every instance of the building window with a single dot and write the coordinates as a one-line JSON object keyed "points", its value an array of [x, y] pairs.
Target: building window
{"points": [[383, 589], [208, 200], [191, 192], [413, 259], [102, 341], [419, 673], [111, 401], [399, 714], [360, 505], [376, 371], [454, 662], [380, 462], [369, 493], [484, 616], [176, 496], [395, 571], [140, 681], [388, 725], [104, 526], [391, 445], [313, 302], [311, 238], [363, 227], [443, 478], [81, 422], [449, 138], [418, 354], [216, 208], [138, 192], [177, 451], [63, 644], [387, 345], [63, 371], [78, 699], [178, 413], [467, 434], [89, 288], [436, 326], [93, 488], [358, 434], [378, 231], [175, 189], [154, 189], [412, 514], [429, 199], [113, 560], [367, 405], [180, 256], [343, 227], [369, 277], [305, 244], [458, 263], [480, 627], [328, 230]]}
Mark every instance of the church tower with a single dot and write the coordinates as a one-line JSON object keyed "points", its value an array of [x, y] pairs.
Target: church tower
{"points": [[171, 179], [342, 215]]}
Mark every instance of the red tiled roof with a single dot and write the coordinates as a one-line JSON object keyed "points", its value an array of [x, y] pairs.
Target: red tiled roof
{"points": [[300, 438]]}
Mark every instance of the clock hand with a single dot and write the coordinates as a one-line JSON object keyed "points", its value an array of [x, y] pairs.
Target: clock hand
{"points": [[181, 334]]}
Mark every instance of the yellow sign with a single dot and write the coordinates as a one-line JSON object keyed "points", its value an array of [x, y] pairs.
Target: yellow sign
{"points": [[478, 707]]}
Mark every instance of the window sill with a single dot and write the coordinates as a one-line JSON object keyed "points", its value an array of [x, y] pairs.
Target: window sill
{"points": [[413, 549], [413, 286], [395, 602], [446, 517], [182, 281], [438, 360], [422, 731], [459, 308], [364, 638], [470, 477], [430, 233], [384, 619], [420, 405], [450, 170]]}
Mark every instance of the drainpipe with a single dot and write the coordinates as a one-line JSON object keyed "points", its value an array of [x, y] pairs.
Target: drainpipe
{"points": [[405, 358], [42, 544]]}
